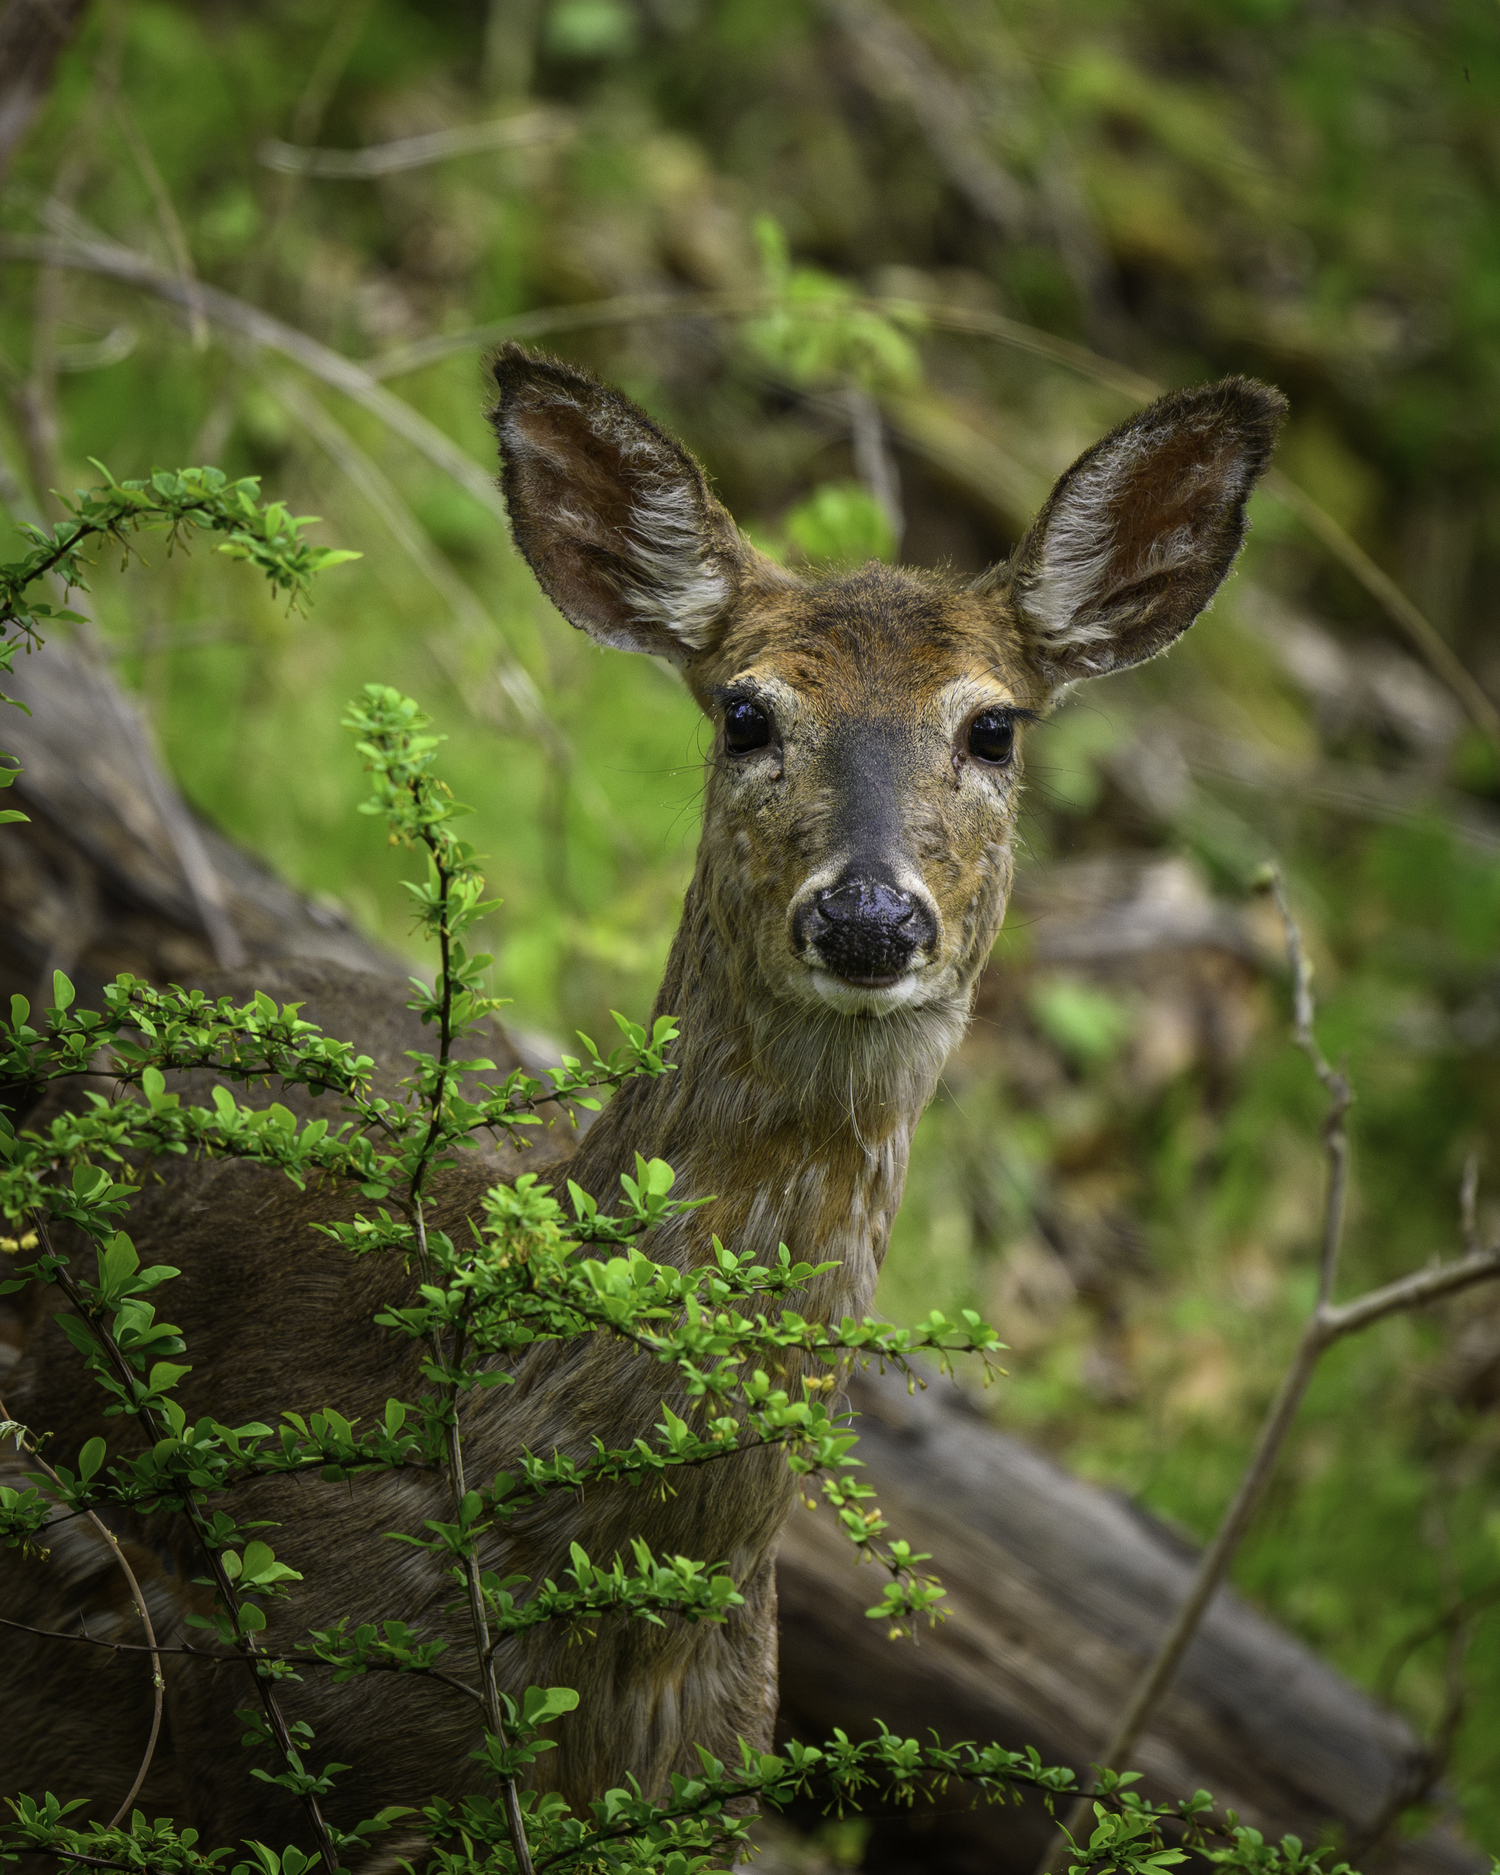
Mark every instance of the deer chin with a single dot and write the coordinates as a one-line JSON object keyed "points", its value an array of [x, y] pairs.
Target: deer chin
{"points": [[878, 998]]}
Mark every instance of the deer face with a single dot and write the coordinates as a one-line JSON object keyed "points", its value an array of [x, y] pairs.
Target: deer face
{"points": [[863, 785], [866, 760]]}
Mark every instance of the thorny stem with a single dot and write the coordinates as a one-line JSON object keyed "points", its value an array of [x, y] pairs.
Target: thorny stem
{"points": [[1326, 1325], [158, 1685], [189, 1652], [515, 1821], [223, 1586]]}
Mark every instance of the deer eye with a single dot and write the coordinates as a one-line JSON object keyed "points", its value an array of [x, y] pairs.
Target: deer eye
{"points": [[992, 736], [746, 727]]}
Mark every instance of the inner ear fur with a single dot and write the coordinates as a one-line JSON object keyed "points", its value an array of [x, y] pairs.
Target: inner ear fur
{"points": [[615, 518], [1137, 536]]}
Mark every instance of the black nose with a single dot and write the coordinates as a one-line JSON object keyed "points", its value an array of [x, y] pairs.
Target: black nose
{"points": [[866, 930]]}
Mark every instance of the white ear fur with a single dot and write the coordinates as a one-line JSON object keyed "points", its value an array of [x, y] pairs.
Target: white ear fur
{"points": [[687, 589], [1138, 535], [616, 519]]}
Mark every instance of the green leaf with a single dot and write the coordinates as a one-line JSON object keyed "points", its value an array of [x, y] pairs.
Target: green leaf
{"points": [[542, 1703], [62, 991]]}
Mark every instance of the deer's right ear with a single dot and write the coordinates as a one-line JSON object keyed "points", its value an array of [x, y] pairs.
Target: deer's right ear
{"points": [[615, 519]]}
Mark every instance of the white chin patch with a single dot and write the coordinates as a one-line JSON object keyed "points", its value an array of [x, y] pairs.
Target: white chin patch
{"points": [[850, 1000]]}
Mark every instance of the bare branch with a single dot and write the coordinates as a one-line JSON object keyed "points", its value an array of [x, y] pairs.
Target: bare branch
{"points": [[1409, 1292], [188, 1652], [898, 68], [158, 1684], [1326, 1325], [261, 328], [1468, 1201], [1388, 596], [438, 146], [873, 461]]}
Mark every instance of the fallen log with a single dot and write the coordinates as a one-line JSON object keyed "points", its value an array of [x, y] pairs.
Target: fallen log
{"points": [[1057, 1595], [1057, 1591]]}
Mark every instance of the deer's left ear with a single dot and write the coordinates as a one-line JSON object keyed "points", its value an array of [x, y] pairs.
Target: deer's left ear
{"points": [[1137, 536], [615, 519]]}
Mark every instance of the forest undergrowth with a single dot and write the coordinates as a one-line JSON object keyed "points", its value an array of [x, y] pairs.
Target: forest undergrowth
{"points": [[887, 268]]}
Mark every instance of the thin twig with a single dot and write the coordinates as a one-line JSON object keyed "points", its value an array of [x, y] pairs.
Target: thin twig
{"points": [[100, 255], [898, 68], [158, 1684], [515, 1821], [188, 1652], [1340, 1098], [171, 221], [474, 618], [108, 258], [224, 1586], [873, 462], [1432, 1759], [1468, 1204], [437, 146], [1327, 1324], [1464, 1609]]}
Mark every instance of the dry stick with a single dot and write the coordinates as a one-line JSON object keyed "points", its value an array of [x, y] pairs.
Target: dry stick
{"points": [[1430, 1761], [897, 66], [473, 617], [166, 212], [437, 146], [343, 374], [261, 328], [361, 382], [1326, 1325], [628, 308], [158, 1684], [1389, 596]]}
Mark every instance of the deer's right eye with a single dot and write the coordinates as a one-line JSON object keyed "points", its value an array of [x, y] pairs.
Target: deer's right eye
{"points": [[746, 727]]}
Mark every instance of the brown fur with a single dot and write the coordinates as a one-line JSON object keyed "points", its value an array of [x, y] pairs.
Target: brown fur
{"points": [[794, 1099]]}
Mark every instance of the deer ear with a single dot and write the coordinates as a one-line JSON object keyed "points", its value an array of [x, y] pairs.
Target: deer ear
{"points": [[615, 519], [1137, 536]]}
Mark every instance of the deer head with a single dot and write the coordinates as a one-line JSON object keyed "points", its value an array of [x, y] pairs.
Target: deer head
{"points": [[866, 763]]}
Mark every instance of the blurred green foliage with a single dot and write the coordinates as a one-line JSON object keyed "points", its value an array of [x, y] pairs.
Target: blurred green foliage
{"points": [[1123, 1170]]}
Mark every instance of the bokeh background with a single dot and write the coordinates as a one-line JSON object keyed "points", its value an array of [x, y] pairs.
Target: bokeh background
{"points": [[887, 266]]}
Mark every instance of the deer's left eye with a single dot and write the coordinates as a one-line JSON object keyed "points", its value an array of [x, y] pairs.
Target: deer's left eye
{"points": [[992, 736], [746, 727]]}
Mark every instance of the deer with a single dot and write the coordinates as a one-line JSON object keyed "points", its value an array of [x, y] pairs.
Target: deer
{"points": [[853, 870]]}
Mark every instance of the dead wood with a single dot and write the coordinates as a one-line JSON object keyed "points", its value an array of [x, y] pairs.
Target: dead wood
{"points": [[1058, 1593]]}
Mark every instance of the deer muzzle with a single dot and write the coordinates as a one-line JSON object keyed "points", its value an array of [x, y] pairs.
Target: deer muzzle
{"points": [[865, 930]]}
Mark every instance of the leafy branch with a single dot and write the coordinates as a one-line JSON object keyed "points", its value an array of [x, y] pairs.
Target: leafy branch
{"points": [[747, 1370]]}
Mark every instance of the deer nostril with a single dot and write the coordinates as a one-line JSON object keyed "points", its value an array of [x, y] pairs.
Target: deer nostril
{"points": [[866, 931], [863, 899]]}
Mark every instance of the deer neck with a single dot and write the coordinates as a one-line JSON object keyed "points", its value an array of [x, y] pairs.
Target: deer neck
{"points": [[797, 1120]]}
